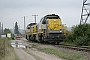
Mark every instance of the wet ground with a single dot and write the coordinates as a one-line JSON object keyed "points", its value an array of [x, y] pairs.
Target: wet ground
{"points": [[18, 44], [25, 53]]}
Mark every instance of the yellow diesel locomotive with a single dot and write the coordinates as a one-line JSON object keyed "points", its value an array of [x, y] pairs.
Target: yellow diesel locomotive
{"points": [[49, 29], [31, 32]]}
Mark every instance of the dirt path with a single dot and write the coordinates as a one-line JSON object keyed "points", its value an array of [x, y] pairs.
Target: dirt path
{"points": [[23, 55], [43, 55], [35, 54]]}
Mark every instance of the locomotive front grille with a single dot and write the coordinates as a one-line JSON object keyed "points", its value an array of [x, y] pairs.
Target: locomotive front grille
{"points": [[56, 37], [55, 31]]}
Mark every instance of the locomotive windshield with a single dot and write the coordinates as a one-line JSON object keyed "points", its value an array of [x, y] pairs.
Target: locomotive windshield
{"points": [[28, 26], [31, 24], [52, 17]]}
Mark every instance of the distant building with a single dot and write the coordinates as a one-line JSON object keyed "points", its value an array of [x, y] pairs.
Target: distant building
{"points": [[3, 36], [9, 35]]}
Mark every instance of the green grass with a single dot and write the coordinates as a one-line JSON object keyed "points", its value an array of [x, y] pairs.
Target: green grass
{"points": [[66, 43], [6, 51], [11, 55], [2, 49], [63, 55]]}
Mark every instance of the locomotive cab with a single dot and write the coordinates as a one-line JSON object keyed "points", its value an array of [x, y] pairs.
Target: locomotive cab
{"points": [[51, 27]]}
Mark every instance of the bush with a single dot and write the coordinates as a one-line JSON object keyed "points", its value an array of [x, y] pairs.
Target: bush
{"points": [[80, 34], [80, 41]]}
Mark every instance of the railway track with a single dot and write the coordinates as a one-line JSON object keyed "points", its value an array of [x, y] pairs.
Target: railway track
{"points": [[78, 48]]}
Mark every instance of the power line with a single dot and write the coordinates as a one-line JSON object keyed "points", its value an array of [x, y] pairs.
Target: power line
{"points": [[35, 17]]}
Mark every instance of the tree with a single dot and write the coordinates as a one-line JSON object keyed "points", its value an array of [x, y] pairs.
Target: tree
{"points": [[6, 31], [16, 29]]}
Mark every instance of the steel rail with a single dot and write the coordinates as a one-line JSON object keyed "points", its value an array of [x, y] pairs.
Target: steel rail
{"points": [[78, 48]]}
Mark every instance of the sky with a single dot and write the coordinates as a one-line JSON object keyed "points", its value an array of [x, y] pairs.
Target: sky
{"points": [[12, 11]]}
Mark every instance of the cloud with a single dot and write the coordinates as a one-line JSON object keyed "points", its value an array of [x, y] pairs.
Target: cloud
{"points": [[13, 10], [41, 3]]}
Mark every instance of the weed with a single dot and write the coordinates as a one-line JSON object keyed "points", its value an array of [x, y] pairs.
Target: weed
{"points": [[63, 55]]}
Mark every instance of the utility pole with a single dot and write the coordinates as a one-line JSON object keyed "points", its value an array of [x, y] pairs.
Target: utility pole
{"points": [[85, 12], [19, 29], [24, 22], [2, 28], [35, 17], [13, 27]]}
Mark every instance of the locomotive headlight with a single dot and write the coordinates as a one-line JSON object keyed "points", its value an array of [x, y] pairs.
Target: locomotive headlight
{"points": [[60, 31]]}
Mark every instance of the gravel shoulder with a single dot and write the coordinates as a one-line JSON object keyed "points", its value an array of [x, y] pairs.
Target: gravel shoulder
{"points": [[43, 55], [23, 55]]}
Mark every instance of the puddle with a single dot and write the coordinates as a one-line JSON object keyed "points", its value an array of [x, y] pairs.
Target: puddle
{"points": [[17, 45]]}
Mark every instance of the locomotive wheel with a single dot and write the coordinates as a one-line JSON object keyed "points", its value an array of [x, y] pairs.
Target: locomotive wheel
{"points": [[29, 38], [57, 43], [40, 39]]}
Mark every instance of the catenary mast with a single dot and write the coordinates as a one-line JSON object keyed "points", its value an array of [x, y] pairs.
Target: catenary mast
{"points": [[85, 14]]}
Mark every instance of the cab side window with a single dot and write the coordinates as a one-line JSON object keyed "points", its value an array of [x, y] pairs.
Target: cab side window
{"points": [[44, 21]]}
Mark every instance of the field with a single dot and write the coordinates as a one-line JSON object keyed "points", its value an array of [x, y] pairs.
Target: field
{"points": [[6, 51]]}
